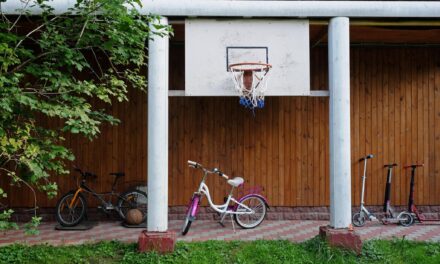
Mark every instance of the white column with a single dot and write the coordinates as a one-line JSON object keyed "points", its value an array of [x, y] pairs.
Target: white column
{"points": [[158, 132], [340, 156]]}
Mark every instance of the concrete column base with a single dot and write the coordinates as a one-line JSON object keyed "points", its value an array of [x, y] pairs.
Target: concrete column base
{"points": [[162, 242], [343, 238]]}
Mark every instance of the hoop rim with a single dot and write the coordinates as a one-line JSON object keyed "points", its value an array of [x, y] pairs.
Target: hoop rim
{"points": [[264, 66]]}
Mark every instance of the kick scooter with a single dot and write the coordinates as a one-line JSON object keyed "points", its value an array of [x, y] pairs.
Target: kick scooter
{"points": [[404, 218], [359, 219], [411, 205]]}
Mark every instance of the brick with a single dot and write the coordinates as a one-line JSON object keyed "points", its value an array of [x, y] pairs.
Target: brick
{"points": [[162, 242], [342, 238], [274, 216], [290, 216], [324, 216], [177, 209], [204, 216]]}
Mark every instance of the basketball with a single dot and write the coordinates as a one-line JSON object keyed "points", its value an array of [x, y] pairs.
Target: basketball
{"points": [[134, 217]]}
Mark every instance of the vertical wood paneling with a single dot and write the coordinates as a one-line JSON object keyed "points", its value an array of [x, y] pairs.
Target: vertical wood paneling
{"points": [[395, 114]]}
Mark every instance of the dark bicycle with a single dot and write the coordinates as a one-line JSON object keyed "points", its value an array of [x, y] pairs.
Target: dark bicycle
{"points": [[71, 208]]}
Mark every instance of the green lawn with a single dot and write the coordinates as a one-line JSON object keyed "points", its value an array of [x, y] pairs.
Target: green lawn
{"points": [[312, 251]]}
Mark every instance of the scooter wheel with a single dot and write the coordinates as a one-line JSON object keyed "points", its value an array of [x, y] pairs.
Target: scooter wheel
{"points": [[407, 219], [385, 221], [358, 219]]}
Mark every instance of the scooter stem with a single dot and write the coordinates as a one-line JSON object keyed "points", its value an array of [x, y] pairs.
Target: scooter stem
{"points": [[363, 181]]}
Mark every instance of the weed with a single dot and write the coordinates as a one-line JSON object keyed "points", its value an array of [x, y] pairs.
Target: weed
{"points": [[279, 251]]}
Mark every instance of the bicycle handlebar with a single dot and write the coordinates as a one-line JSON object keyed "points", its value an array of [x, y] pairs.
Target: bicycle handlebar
{"points": [[196, 165], [85, 174], [221, 174]]}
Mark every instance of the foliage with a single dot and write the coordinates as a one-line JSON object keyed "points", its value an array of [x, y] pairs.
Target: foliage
{"points": [[51, 67], [312, 251]]}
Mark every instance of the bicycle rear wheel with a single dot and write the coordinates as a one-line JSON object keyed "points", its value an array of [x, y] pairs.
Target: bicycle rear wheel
{"points": [[247, 221], [133, 200], [70, 216]]}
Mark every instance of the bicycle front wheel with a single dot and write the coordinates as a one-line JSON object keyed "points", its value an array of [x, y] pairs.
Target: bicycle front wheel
{"points": [[256, 204], [190, 214], [70, 213], [133, 200]]}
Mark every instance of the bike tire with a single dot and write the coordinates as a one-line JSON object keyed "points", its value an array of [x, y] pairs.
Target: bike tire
{"points": [[410, 219], [259, 203], [358, 219], [136, 200], [187, 223], [189, 216], [62, 202]]}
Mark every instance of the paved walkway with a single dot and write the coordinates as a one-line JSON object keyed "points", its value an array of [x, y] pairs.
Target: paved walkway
{"points": [[296, 231]]}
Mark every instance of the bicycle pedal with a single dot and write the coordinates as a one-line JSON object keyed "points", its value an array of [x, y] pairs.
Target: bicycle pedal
{"points": [[109, 207]]}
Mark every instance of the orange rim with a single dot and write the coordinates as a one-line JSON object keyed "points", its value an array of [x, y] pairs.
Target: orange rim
{"points": [[263, 66]]}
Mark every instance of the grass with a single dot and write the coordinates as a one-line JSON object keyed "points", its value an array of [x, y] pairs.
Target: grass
{"points": [[312, 251]]}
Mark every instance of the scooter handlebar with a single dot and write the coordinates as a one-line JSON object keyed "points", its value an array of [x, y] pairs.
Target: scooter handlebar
{"points": [[413, 165], [369, 156], [390, 165]]}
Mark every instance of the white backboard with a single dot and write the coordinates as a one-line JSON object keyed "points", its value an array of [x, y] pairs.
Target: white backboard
{"points": [[211, 45]]}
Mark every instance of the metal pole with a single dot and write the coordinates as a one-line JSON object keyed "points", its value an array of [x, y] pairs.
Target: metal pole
{"points": [[340, 156], [364, 177], [221, 8], [158, 132]]}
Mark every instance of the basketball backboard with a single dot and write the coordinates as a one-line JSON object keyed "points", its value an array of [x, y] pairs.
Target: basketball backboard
{"points": [[211, 45]]}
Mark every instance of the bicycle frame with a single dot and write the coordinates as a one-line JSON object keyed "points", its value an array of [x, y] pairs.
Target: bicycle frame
{"points": [[223, 208], [84, 188]]}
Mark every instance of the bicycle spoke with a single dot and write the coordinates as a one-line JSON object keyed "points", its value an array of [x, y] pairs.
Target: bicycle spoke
{"points": [[250, 220]]}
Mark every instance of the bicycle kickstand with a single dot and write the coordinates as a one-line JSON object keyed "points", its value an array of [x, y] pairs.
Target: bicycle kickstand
{"points": [[222, 218], [233, 225]]}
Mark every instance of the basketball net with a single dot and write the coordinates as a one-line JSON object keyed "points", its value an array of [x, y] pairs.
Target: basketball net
{"points": [[250, 80]]}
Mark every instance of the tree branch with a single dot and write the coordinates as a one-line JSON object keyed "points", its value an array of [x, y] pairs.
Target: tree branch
{"points": [[18, 67], [18, 18], [35, 30]]}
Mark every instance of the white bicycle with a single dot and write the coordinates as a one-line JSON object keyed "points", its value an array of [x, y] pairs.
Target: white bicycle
{"points": [[248, 211]]}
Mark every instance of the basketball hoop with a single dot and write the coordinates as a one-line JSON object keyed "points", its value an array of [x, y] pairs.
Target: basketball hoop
{"points": [[250, 81]]}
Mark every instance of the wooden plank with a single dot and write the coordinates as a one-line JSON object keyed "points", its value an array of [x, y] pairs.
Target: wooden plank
{"points": [[287, 197], [410, 155], [437, 124], [372, 181], [294, 152], [380, 136], [395, 113], [424, 102], [386, 145], [281, 142], [369, 118], [431, 127], [401, 180], [299, 145]]}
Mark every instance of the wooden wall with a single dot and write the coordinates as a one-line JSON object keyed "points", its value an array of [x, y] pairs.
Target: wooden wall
{"points": [[395, 114]]}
